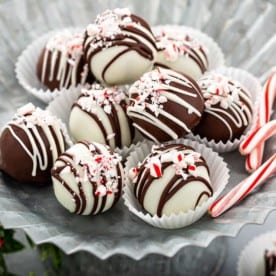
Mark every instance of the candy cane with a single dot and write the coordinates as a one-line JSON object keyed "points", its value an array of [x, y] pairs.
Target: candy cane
{"points": [[254, 159], [238, 193], [258, 137]]}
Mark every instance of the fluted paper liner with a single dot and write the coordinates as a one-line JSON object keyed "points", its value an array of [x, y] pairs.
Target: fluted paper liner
{"points": [[251, 261], [25, 69], [219, 176], [214, 53], [254, 88]]}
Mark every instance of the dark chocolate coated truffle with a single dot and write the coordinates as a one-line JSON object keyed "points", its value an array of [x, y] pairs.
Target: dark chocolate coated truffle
{"points": [[61, 63], [228, 108], [165, 105], [29, 145]]}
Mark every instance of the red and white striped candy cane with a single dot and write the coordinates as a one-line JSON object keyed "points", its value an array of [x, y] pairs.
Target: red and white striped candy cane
{"points": [[258, 137], [238, 193], [254, 158]]}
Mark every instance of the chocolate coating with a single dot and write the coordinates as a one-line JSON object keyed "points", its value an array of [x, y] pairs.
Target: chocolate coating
{"points": [[165, 105], [28, 149], [179, 51], [172, 179], [87, 178], [117, 40], [99, 115], [61, 63], [228, 108], [269, 262]]}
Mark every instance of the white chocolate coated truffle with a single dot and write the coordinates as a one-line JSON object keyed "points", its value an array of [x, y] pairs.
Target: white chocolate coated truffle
{"points": [[119, 48], [179, 51], [87, 178], [99, 115], [172, 179]]}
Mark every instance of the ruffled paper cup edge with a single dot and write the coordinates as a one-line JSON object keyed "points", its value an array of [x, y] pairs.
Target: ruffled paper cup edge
{"points": [[235, 73], [27, 62], [218, 172]]}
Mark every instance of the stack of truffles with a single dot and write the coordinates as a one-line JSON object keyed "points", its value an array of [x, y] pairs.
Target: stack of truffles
{"points": [[132, 80]]}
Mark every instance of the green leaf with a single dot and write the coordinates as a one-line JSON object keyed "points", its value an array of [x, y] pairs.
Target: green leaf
{"points": [[2, 232], [11, 246], [44, 252], [30, 241], [8, 234], [3, 267], [51, 251]]}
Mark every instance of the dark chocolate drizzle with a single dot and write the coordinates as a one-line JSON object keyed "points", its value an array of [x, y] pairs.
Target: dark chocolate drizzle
{"points": [[80, 201], [113, 120], [192, 54], [95, 118], [130, 33], [145, 180]]}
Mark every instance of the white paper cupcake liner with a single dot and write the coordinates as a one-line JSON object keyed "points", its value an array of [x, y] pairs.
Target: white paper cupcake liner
{"points": [[61, 105], [251, 260], [219, 175], [25, 69], [214, 52], [254, 87]]}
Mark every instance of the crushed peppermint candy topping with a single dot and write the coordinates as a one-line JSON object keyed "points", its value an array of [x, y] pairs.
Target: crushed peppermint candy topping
{"points": [[108, 23], [98, 95], [218, 89], [149, 89], [183, 162], [29, 115], [67, 42], [100, 169], [176, 44]]}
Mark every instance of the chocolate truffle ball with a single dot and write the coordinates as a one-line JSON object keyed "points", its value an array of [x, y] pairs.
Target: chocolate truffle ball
{"points": [[30, 144], [267, 266], [165, 105], [87, 178], [119, 47], [228, 108], [99, 115], [180, 52], [61, 63], [172, 179]]}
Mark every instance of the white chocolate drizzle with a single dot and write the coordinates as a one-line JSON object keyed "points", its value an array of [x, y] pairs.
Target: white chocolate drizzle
{"points": [[149, 94], [227, 100], [64, 50], [29, 119]]}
